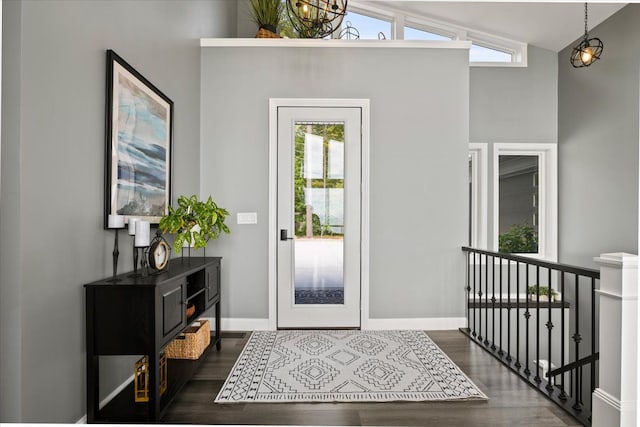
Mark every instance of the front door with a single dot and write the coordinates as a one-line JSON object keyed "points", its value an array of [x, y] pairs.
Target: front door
{"points": [[319, 217]]}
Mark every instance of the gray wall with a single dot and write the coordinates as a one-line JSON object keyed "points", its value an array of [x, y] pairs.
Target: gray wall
{"points": [[514, 105], [419, 121], [10, 221], [598, 144], [52, 174], [245, 26]]}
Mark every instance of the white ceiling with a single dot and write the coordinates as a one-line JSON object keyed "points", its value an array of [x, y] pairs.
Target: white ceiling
{"points": [[550, 25]]}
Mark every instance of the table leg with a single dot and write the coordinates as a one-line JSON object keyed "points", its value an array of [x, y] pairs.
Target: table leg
{"points": [[218, 341]]}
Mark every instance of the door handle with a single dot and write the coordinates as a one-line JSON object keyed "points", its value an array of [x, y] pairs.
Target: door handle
{"points": [[284, 235]]}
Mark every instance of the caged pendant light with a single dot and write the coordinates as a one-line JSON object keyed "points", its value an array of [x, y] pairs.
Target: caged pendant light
{"points": [[316, 18], [588, 50]]}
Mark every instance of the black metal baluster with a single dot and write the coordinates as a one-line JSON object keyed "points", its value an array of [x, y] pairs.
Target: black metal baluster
{"points": [[493, 305], [577, 338], [501, 352], [509, 358], [480, 298], [517, 364], [475, 258], [537, 377], [570, 381], [527, 315], [581, 384], [486, 302], [562, 396], [549, 325], [468, 292]]}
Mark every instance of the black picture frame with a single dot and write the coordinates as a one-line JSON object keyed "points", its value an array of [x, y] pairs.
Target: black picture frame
{"points": [[138, 145]]}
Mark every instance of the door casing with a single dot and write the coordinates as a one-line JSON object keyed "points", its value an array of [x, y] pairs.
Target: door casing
{"points": [[274, 104]]}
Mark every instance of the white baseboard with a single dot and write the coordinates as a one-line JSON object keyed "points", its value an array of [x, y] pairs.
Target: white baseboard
{"points": [[115, 392], [425, 323], [109, 397], [606, 409]]}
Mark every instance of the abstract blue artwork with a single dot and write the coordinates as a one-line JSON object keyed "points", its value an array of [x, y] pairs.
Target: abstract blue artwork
{"points": [[139, 127]]}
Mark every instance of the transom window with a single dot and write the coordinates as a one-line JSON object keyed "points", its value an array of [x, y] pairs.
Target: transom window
{"points": [[479, 53], [368, 26], [411, 33], [486, 49]]}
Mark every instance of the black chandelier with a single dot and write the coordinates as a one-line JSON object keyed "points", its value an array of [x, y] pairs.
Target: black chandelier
{"points": [[588, 50], [316, 18]]}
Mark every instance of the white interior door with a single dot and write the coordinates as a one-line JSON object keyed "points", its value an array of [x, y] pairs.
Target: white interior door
{"points": [[319, 217]]}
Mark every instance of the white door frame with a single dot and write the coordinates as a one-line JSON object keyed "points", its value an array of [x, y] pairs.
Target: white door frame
{"points": [[274, 104]]}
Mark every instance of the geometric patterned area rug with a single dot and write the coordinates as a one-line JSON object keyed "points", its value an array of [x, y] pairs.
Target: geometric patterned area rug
{"points": [[344, 366]]}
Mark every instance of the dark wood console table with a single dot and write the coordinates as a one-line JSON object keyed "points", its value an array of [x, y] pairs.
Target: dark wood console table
{"points": [[139, 315]]}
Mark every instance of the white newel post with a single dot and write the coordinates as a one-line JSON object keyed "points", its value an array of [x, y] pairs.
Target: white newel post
{"points": [[614, 401]]}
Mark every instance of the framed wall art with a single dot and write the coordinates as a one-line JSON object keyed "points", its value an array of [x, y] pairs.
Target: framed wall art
{"points": [[139, 128]]}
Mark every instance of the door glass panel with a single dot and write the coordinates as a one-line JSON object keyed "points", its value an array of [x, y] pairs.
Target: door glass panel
{"points": [[518, 204], [319, 213]]}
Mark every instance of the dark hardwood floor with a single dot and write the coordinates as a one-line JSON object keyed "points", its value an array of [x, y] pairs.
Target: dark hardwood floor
{"points": [[511, 401]]}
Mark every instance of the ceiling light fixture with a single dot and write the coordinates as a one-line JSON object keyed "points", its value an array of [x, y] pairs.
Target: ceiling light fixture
{"points": [[316, 18], [588, 50]]}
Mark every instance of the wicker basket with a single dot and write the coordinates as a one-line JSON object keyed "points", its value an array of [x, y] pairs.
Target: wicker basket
{"points": [[191, 343]]}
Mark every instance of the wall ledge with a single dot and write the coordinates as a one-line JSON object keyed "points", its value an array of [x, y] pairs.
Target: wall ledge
{"points": [[335, 43]]}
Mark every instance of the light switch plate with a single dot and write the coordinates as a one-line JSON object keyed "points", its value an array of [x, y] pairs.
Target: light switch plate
{"points": [[247, 217]]}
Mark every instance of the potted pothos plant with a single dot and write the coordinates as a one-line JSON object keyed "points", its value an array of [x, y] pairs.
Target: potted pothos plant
{"points": [[546, 293], [267, 15], [194, 222]]}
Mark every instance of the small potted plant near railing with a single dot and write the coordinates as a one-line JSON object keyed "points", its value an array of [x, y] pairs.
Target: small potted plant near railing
{"points": [[545, 293], [194, 222]]}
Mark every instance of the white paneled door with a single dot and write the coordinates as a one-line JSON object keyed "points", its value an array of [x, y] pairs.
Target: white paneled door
{"points": [[319, 164]]}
